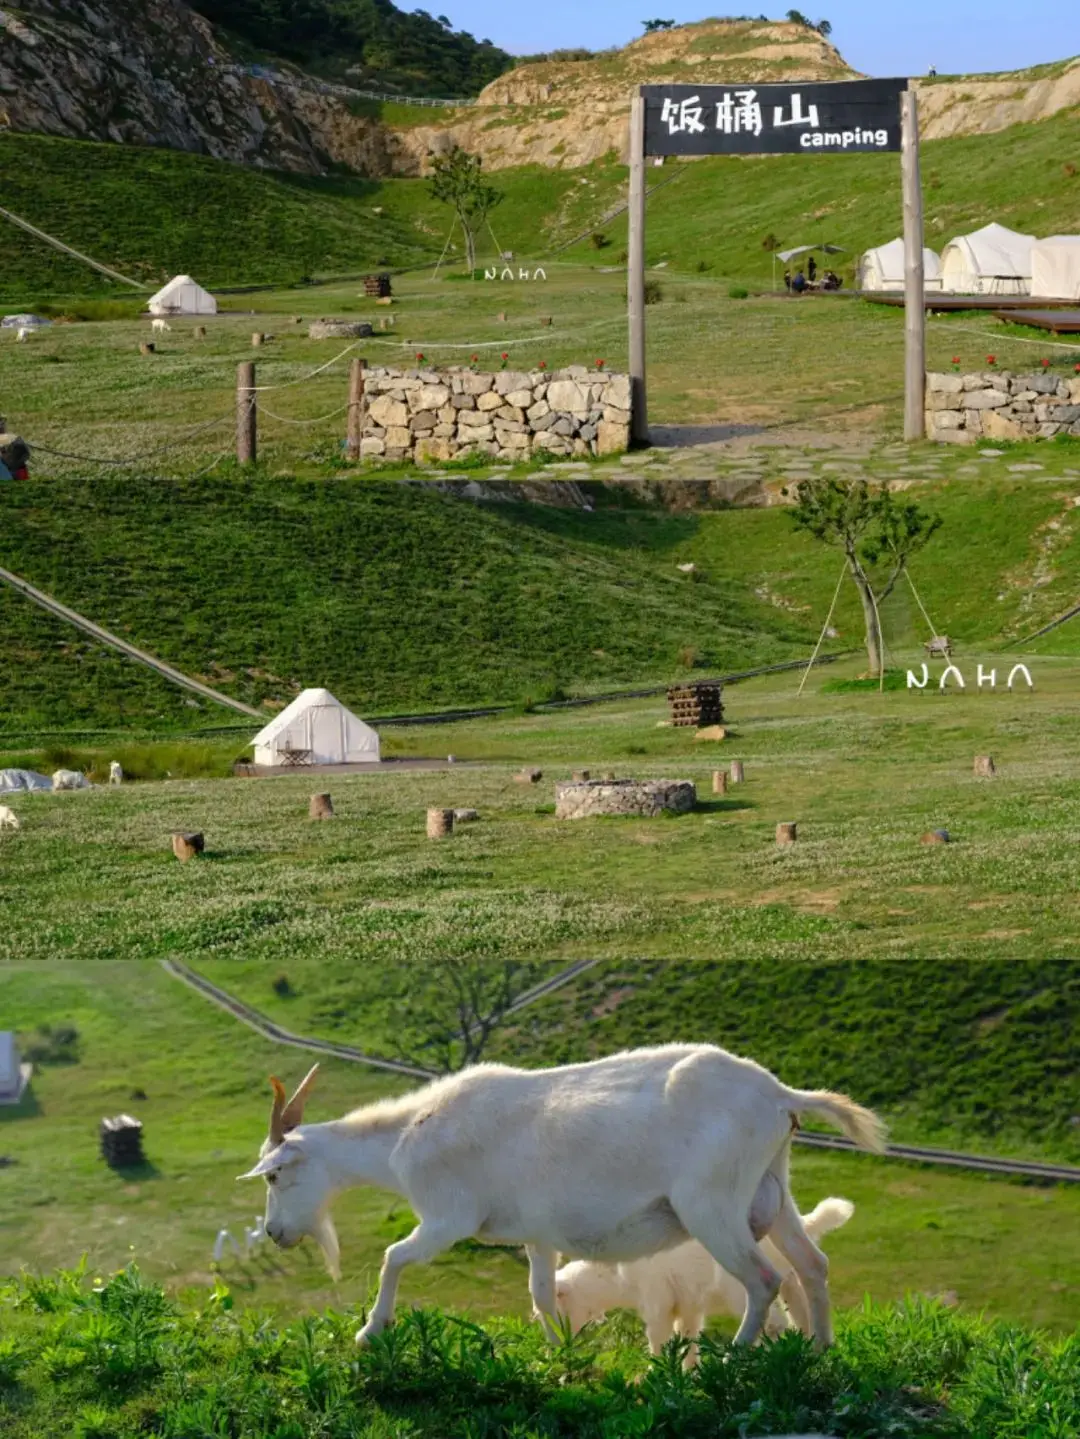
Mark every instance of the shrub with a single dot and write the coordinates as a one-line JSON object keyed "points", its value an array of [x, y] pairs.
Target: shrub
{"points": [[53, 1046], [654, 292], [690, 657], [738, 292], [281, 986], [598, 240], [703, 266]]}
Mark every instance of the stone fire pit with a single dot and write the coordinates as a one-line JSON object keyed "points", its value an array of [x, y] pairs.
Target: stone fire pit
{"points": [[577, 799]]}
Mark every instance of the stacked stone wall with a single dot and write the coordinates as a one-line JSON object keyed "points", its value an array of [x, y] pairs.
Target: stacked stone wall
{"points": [[431, 416], [998, 405]]}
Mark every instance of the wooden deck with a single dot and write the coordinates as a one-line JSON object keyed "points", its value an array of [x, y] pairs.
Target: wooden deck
{"points": [[1058, 322], [943, 304]]}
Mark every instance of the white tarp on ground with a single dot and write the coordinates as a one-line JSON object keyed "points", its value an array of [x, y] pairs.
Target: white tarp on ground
{"points": [[992, 261], [12, 780], [1055, 268], [182, 296], [14, 1075], [321, 725], [883, 268]]}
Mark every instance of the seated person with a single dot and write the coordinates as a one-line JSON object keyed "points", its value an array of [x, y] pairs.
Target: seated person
{"points": [[799, 282]]}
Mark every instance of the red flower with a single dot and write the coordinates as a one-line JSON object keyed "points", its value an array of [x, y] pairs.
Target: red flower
{"points": [[543, 365], [991, 359], [956, 359], [1078, 369], [475, 359], [419, 356], [505, 355], [1046, 364]]}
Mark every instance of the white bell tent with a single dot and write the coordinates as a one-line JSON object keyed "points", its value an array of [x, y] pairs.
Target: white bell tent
{"points": [[883, 268], [316, 729], [990, 261], [182, 296], [14, 1075], [1055, 268]]}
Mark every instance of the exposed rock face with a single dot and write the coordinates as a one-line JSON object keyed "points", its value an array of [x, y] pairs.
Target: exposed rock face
{"points": [[962, 409], [981, 104], [155, 74]]}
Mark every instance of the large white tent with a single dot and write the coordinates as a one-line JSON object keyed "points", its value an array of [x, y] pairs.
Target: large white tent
{"points": [[316, 729], [14, 1075], [182, 296], [992, 261], [1055, 268], [883, 268]]}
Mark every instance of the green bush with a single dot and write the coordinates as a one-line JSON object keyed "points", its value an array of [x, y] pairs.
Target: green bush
{"points": [[738, 292]]}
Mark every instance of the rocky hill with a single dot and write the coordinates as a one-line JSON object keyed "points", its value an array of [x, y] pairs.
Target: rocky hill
{"points": [[159, 74]]}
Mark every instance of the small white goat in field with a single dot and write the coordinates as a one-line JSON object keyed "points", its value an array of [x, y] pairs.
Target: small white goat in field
{"points": [[22, 334], [116, 774], [611, 1161], [677, 1291], [8, 818], [69, 779], [160, 327]]}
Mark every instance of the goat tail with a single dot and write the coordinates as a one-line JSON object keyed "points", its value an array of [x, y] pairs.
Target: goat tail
{"points": [[862, 1126], [830, 1214]]}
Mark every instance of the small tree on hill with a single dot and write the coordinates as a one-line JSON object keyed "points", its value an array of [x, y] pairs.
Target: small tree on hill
{"points": [[877, 533], [457, 1013], [457, 180], [652, 26]]}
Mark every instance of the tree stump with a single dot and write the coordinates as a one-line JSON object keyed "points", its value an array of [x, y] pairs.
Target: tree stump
{"points": [[936, 836], [146, 347], [787, 833], [529, 776], [737, 775], [257, 338], [200, 332], [719, 781], [580, 776], [608, 775], [501, 317], [466, 816], [451, 759], [546, 321], [186, 845], [440, 823], [984, 766], [321, 807]]}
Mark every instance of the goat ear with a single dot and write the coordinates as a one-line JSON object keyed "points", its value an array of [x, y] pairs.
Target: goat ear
{"points": [[277, 1110], [293, 1113], [265, 1166]]}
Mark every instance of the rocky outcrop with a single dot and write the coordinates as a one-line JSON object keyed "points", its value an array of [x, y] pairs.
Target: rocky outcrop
{"points": [[156, 74], [982, 104], [998, 405], [432, 416]]}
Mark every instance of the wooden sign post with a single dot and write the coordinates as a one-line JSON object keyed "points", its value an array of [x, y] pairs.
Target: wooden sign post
{"points": [[856, 117]]}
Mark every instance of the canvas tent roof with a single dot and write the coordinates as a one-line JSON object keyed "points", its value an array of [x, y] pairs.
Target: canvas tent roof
{"points": [[12, 780], [182, 296], [320, 725], [786, 255], [1055, 267], [883, 268], [992, 261]]}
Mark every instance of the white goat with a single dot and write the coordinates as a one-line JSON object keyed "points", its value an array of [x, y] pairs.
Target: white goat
{"points": [[22, 334], [611, 1160], [69, 779], [160, 327], [8, 818], [677, 1290], [116, 773]]}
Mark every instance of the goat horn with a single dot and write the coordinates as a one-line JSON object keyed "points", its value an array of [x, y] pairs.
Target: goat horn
{"points": [[277, 1127], [293, 1113]]}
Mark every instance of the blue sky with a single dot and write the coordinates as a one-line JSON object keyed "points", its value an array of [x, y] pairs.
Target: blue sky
{"points": [[882, 37]]}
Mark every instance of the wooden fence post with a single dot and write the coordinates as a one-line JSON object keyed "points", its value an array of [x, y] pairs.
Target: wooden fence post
{"points": [[246, 445], [355, 430]]}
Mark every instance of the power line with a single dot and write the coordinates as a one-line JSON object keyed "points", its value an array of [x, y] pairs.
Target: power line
{"points": [[67, 249]]}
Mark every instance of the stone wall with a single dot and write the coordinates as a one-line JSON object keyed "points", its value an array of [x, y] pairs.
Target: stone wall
{"points": [[998, 405], [431, 416]]}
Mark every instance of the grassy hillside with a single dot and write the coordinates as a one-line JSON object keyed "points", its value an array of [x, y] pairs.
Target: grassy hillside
{"points": [[153, 213], [391, 596]]}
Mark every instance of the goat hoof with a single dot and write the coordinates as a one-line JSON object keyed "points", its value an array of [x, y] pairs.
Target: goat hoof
{"points": [[367, 1334]]}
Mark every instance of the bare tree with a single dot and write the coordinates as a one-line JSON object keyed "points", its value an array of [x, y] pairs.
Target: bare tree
{"points": [[454, 1015]]}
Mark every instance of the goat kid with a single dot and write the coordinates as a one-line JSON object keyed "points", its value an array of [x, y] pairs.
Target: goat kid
{"points": [[8, 818], [160, 327], [611, 1160], [675, 1292]]}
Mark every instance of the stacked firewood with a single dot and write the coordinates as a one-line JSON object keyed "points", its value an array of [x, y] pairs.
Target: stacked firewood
{"points": [[377, 287], [121, 1141], [697, 705]]}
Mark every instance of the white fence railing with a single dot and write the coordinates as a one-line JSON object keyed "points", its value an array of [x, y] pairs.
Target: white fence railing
{"points": [[328, 87]]}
